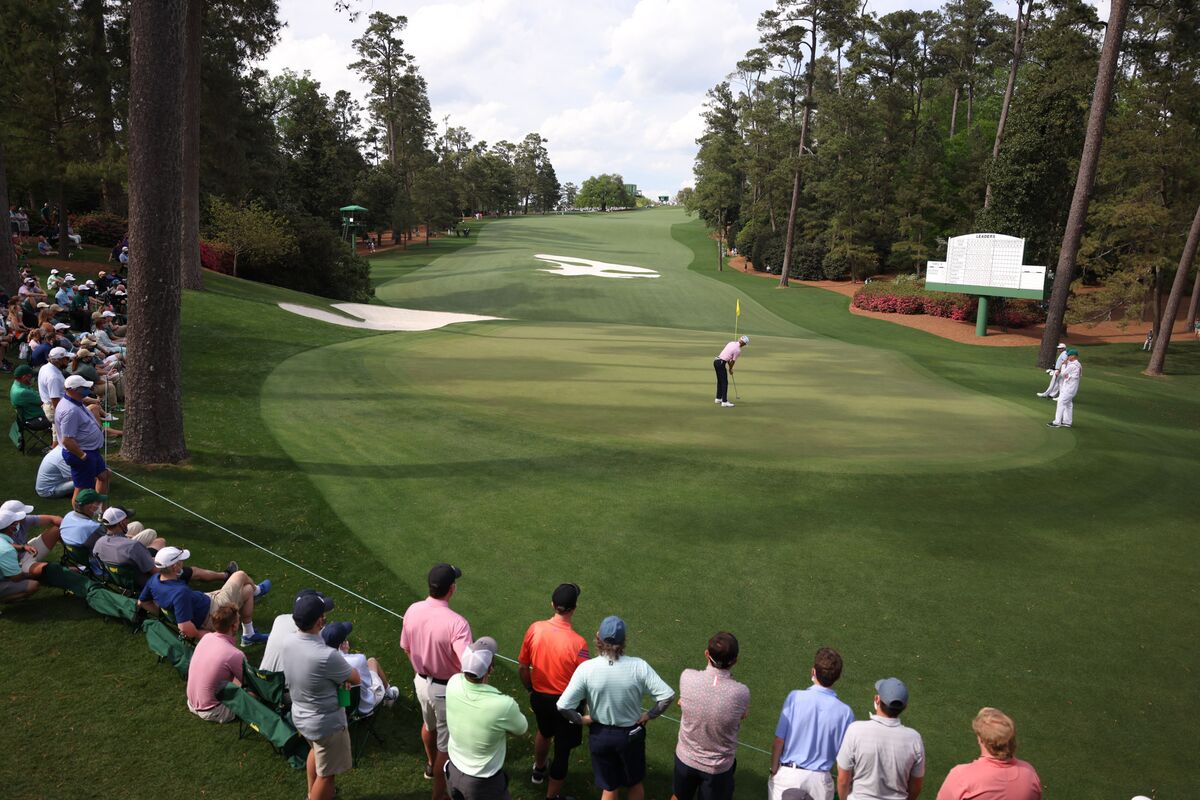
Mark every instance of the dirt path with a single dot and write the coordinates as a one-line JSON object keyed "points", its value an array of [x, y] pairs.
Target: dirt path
{"points": [[964, 332]]}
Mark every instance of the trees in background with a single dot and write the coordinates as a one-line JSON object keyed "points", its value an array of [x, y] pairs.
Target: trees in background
{"points": [[249, 229], [604, 192], [903, 146]]}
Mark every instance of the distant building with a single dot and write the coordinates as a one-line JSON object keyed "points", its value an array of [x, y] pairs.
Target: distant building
{"points": [[631, 189], [664, 198]]}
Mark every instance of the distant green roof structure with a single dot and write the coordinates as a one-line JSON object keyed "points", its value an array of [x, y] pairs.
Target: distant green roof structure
{"points": [[353, 208]]}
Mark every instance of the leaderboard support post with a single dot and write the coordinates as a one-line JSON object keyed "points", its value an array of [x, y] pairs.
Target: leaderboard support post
{"points": [[981, 316]]}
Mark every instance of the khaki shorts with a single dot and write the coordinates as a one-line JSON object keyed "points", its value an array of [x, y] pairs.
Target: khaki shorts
{"points": [[141, 534], [218, 713], [431, 698], [48, 410], [332, 754], [228, 595]]}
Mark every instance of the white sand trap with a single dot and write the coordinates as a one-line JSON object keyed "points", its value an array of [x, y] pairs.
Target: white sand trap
{"points": [[383, 318], [571, 266]]}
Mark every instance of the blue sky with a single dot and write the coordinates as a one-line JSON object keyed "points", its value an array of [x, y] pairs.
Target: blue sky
{"points": [[615, 86]]}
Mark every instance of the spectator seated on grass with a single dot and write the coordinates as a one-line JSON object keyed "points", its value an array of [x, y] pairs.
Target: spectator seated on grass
{"points": [[39, 351], [192, 609], [8, 336], [26, 400], [79, 527], [132, 544], [375, 686], [44, 248], [30, 289], [54, 476], [65, 296], [18, 563], [105, 342], [283, 631], [105, 377], [215, 662], [61, 337], [23, 532]]}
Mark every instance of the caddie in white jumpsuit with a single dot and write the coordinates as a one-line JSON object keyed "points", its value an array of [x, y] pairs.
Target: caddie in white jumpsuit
{"points": [[1068, 387], [1052, 389]]}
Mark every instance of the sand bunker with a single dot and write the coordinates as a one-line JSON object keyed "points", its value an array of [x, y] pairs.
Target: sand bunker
{"points": [[571, 266], [383, 318]]}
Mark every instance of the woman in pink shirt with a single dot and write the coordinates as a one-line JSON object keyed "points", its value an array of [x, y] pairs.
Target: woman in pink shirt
{"points": [[996, 774]]}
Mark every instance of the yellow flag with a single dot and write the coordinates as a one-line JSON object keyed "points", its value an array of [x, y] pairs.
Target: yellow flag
{"points": [[739, 307]]}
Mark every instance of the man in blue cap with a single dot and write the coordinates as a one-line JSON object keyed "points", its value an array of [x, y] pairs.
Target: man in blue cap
{"points": [[881, 759], [613, 685]]}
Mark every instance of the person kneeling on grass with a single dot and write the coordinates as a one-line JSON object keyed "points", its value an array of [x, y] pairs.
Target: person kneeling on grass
{"points": [[20, 565], [375, 686], [216, 662], [313, 672], [193, 609], [54, 476]]}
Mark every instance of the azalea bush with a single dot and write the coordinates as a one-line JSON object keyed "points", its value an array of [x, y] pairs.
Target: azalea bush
{"points": [[910, 298]]}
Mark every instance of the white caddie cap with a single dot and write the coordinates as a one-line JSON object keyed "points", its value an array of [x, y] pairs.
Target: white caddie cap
{"points": [[170, 556], [76, 382], [114, 516]]}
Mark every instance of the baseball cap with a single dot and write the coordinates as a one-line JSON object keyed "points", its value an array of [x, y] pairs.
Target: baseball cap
{"points": [[744, 339], [22, 371], [442, 577], [170, 556], [61, 326], [16, 505], [8, 516], [1072, 352], [476, 662], [566, 596], [484, 643], [893, 694], [336, 632], [612, 630], [114, 516], [76, 382], [54, 272], [107, 313], [307, 609], [1061, 346], [59, 352], [43, 304], [328, 601], [89, 496]]}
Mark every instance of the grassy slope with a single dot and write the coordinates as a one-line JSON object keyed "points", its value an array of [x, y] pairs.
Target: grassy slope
{"points": [[1046, 574], [1062, 592]]}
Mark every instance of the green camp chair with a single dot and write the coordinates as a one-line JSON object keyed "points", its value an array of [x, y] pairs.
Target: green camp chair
{"points": [[78, 558], [122, 578], [361, 726], [255, 715], [168, 645], [269, 687]]}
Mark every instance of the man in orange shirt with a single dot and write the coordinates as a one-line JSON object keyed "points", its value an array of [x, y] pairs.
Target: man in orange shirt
{"points": [[550, 653]]}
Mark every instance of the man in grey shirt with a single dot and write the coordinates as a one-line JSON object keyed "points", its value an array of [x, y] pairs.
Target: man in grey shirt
{"points": [[313, 672], [880, 759]]}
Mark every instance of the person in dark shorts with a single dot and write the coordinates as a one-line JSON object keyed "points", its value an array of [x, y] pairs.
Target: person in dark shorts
{"points": [[613, 685], [712, 706], [550, 653]]}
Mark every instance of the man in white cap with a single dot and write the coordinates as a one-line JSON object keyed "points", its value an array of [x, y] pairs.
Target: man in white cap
{"points": [[50, 385], [133, 544], [1070, 374], [82, 437], [191, 608], [724, 364], [881, 759], [1052, 389], [16, 581], [27, 522], [479, 718]]}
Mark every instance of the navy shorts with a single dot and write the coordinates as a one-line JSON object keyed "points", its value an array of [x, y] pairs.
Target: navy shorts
{"points": [[618, 755], [85, 472], [691, 783]]}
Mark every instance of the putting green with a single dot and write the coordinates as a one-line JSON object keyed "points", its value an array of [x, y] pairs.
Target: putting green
{"points": [[813, 404]]}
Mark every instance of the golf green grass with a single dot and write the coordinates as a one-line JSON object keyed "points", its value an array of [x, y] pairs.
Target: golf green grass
{"points": [[877, 489]]}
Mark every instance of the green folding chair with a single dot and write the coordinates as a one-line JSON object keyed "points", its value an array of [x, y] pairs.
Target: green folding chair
{"points": [[168, 645], [122, 578], [79, 558], [361, 726], [269, 687], [255, 715]]}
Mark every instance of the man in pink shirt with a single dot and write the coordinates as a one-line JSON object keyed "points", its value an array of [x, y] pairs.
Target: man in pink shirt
{"points": [[723, 364], [996, 774], [434, 637], [216, 662]]}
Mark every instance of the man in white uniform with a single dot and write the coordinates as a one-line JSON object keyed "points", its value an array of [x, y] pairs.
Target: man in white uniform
{"points": [[1052, 389], [1068, 388]]}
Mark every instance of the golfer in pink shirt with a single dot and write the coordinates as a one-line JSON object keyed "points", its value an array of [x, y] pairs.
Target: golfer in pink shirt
{"points": [[723, 364], [434, 637], [996, 774]]}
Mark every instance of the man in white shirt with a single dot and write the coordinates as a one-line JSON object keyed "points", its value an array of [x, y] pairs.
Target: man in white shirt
{"points": [[1052, 389], [375, 686], [881, 759], [50, 385], [1069, 377]]}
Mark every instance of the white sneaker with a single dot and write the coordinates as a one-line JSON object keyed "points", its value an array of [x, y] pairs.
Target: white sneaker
{"points": [[717, 401], [726, 404], [390, 696], [1041, 394]]}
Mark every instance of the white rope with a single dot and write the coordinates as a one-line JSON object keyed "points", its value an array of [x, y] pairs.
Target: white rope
{"points": [[320, 577]]}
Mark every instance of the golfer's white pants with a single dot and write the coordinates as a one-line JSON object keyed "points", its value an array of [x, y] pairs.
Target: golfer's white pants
{"points": [[1053, 383], [793, 783], [1066, 408]]}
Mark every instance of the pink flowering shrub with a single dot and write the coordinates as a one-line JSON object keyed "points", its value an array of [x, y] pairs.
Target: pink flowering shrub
{"points": [[889, 298]]}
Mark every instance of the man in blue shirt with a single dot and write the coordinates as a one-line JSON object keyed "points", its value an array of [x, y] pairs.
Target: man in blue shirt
{"points": [[193, 609], [79, 527], [82, 437], [810, 731]]}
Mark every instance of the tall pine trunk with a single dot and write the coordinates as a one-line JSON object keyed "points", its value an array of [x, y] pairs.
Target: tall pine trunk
{"points": [[112, 195], [1018, 46], [789, 239], [1194, 305], [1084, 182], [954, 112], [154, 398], [1163, 339], [10, 278], [193, 275]]}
